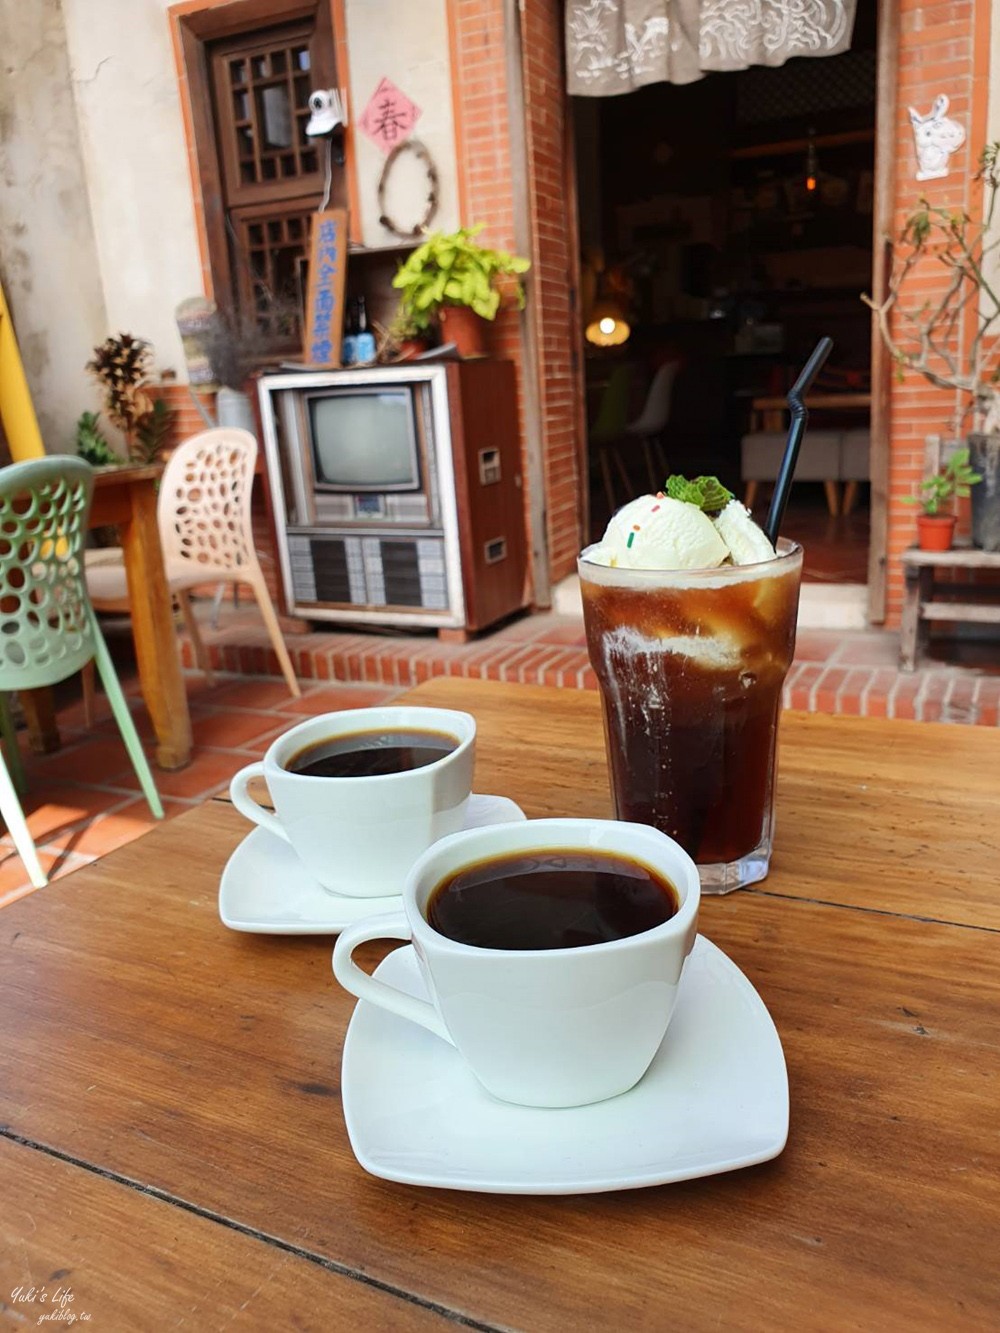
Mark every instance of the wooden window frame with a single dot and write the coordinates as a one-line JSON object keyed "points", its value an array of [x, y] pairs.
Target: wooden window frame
{"points": [[194, 25]]}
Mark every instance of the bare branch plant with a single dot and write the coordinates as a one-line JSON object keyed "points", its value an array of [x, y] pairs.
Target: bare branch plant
{"points": [[930, 339]]}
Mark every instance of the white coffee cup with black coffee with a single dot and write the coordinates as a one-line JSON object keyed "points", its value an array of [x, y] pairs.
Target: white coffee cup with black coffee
{"points": [[552, 952], [360, 794]]}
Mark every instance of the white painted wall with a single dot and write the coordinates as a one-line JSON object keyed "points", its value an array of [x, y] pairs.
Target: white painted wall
{"points": [[97, 222], [136, 166], [406, 41], [48, 257]]}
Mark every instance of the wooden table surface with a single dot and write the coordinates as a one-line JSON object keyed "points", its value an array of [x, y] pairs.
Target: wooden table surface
{"points": [[173, 1146]]}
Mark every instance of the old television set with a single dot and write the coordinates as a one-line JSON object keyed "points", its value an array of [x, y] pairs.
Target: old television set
{"points": [[343, 423], [396, 492]]}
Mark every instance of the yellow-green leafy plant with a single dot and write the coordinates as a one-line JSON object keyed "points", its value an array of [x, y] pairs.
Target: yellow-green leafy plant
{"points": [[452, 269]]}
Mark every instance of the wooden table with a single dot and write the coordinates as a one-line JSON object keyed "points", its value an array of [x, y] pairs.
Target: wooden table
{"points": [[769, 412], [926, 599], [125, 497], [173, 1147]]}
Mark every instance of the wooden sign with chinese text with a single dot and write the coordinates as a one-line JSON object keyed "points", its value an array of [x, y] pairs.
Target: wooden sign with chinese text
{"points": [[327, 276]]}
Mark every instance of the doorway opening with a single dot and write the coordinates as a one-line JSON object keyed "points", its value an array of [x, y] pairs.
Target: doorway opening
{"points": [[728, 224]]}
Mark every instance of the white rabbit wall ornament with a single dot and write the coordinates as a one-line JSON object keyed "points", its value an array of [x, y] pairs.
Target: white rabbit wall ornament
{"points": [[936, 136]]}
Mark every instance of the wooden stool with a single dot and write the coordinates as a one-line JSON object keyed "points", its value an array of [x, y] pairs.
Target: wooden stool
{"points": [[926, 600]]}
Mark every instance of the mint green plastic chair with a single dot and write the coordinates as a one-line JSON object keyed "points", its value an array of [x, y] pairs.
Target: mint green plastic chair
{"points": [[48, 629]]}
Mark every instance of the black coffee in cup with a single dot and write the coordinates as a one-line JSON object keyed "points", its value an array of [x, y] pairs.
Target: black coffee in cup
{"points": [[562, 899], [365, 754]]}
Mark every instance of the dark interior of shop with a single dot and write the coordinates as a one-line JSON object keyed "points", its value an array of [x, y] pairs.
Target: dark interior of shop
{"points": [[727, 224]]}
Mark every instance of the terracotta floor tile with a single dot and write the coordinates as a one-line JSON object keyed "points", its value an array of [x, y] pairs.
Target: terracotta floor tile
{"points": [[100, 760], [208, 772], [333, 698], [569, 631], [875, 649], [814, 646], [263, 696], [227, 729], [50, 808], [108, 831]]}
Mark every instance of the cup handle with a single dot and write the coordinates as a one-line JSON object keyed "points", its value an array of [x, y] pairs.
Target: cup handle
{"points": [[246, 804], [359, 983]]}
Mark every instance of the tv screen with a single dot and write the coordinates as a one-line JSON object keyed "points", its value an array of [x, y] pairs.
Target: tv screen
{"points": [[364, 440]]}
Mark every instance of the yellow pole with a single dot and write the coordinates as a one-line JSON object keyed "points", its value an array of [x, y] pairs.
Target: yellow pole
{"points": [[20, 424]]}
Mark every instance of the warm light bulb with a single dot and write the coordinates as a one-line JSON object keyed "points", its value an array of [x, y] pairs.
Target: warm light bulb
{"points": [[810, 183], [607, 324]]}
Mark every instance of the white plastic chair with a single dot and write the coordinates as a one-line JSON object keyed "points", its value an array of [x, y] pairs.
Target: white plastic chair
{"points": [[648, 429], [203, 514]]}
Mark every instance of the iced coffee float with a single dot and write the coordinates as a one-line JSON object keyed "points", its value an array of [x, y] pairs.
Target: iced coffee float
{"points": [[690, 617], [689, 525]]}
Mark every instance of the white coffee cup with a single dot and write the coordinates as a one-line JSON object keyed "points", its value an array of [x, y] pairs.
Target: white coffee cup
{"points": [[540, 1027], [359, 836]]}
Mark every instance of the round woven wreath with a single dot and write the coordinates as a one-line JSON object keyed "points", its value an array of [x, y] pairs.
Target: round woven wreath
{"points": [[431, 207]]}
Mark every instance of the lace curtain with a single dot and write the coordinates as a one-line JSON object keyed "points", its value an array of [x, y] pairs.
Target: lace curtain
{"points": [[614, 46]]}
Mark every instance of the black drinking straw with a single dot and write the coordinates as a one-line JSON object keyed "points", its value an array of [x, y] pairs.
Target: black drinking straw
{"points": [[796, 430]]}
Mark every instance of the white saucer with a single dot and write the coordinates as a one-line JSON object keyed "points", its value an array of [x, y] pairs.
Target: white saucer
{"points": [[714, 1099], [266, 890]]}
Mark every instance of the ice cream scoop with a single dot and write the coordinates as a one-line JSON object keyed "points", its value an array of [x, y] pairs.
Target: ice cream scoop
{"points": [[747, 543], [655, 532]]}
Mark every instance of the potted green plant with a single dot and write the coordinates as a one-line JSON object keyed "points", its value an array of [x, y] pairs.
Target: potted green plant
{"points": [[926, 334], [453, 279], [936, 530]]}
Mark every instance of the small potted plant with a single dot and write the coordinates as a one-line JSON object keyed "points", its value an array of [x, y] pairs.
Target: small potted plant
{"points": [[458, 282], [121, 366], [935, 530], [407, 336]]}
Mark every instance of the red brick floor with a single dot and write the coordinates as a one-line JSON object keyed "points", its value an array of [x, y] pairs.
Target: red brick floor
{"points": [[851, 672], [85, 801]]}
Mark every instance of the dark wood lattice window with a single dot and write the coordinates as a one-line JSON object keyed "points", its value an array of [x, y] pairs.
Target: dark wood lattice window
{"points": [[272, 175]]}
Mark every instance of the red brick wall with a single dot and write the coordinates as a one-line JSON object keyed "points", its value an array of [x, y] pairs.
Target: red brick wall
{"points": [[486, 195], [944, 48], [555, 280], [483, 151]]}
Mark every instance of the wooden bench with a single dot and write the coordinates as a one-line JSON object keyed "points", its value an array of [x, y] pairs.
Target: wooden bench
{"points": [[928, 600]]}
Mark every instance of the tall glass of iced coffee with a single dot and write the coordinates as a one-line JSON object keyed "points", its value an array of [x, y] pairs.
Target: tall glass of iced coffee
{"points": [[691, 630]]}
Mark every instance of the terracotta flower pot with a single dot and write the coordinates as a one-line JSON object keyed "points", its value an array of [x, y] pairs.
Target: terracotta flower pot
{"points": [[935, 531], [463, 327], [411, 347]]}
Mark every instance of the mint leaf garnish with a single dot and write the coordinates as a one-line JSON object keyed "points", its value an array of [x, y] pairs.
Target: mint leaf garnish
{"points": [[708, 493]]}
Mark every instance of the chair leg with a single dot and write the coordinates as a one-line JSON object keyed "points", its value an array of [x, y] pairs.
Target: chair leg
{"points": [[850, 497], [89, 695], [256, 581], [750, 494], [126, 726], [659, 453], [191, 625], [647, 453], [832, 497], [609, 490], [11, 749], [220, 592], [17, 827], [626, 480]]}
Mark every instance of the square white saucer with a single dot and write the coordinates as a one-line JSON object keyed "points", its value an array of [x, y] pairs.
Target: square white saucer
{"points": [[266, 890], [714, 1099]]}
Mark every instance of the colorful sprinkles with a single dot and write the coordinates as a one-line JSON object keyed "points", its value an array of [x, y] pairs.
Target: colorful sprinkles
{"points": [[631, 536]]}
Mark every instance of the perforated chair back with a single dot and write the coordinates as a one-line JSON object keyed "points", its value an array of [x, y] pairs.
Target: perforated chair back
{"points": [[203, 510], [47, 627]]}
